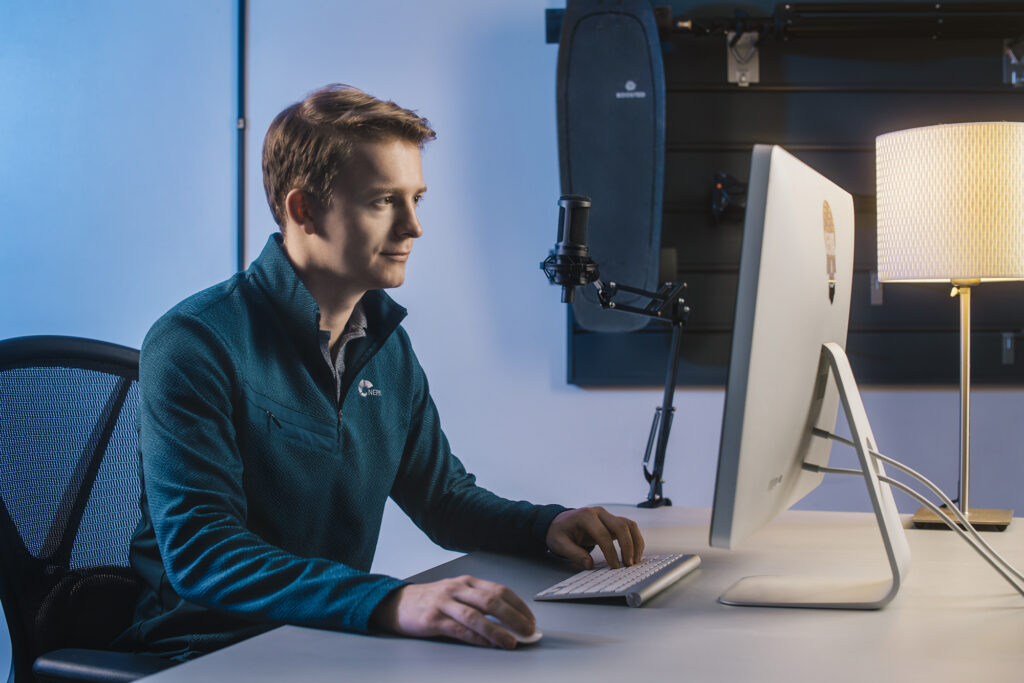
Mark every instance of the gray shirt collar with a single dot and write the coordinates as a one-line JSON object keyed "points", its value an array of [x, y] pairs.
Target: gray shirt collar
{"points": [[354, 329]]}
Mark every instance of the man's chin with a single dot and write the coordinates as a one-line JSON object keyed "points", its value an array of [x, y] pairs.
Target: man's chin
{"points": [[389, 276], [392, 282]]}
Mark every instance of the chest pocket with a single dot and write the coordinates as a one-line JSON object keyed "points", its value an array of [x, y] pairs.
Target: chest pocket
{"points": [[277, 421]]}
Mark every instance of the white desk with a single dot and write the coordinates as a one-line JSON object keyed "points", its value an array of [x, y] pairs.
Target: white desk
{"points": [[955, 619]]}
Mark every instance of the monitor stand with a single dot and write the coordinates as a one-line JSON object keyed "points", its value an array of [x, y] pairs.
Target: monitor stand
{"points": [[827, 592]]}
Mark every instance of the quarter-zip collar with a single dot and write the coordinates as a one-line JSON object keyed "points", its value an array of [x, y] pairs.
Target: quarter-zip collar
{"points": [[383, 317], [275, 276]]}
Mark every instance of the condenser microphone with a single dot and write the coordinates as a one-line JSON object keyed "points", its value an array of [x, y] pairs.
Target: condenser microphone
{"points": [[569, 263]]}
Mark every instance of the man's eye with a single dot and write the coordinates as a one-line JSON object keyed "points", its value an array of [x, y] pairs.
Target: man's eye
{"points": [[417, 199], [383, 201]]}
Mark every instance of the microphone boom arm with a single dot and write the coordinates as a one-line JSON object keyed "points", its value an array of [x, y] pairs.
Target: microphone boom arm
{"points": [[665, 304], [669, 305], [569, 265]]}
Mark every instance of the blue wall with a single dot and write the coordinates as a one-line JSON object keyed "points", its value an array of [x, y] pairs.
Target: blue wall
{"points": [[117, 182], [118, 189], [117, 176]]}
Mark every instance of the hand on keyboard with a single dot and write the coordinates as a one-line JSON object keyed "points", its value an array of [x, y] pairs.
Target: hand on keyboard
{"points": [[574, 533]]}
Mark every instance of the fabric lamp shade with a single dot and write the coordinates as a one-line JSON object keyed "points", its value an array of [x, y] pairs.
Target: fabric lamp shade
{"points": [[951, 203]]}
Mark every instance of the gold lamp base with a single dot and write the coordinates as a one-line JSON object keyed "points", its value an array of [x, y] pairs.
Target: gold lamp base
{"points": [[980, 518]]}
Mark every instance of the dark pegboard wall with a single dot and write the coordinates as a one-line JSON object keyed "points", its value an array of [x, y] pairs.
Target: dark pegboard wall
{"points": [[824, 101]]}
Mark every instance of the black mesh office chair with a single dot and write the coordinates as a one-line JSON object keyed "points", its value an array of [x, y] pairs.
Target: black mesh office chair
{"points": [[69, 502]]}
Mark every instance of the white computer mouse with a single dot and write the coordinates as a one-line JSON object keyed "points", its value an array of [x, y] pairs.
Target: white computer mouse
{"points": [[520, 639], [530, 639]]}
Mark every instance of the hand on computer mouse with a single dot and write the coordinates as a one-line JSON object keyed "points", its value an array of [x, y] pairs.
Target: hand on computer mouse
{"points": [[574, 531], [464, 608]]}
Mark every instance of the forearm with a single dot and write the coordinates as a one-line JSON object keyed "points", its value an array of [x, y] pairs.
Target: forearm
{"points": [[444, 500], [212, 559], [472, 518], [214, 562], [435, 490]]}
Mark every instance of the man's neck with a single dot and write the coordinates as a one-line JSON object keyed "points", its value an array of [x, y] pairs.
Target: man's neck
{"points": [[335, 301], [336, 308]]}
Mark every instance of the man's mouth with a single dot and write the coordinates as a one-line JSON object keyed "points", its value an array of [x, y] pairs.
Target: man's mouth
{"points": [[399, 256]]}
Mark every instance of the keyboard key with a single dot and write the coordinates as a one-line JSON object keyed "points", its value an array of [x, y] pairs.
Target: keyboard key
{"points": [[635, 584]]}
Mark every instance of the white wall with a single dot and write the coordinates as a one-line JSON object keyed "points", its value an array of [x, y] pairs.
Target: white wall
{"points": [[487, 327]]}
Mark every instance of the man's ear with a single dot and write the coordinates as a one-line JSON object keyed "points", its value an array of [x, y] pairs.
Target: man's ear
{"points": [[298, 207]]}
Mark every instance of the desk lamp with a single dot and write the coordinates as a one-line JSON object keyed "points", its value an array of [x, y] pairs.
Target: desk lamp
{"points": [[951, 209]]}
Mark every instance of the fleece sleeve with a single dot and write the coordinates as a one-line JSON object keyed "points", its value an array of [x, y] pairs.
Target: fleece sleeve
{"points": [[435, 490], [192, 473]]}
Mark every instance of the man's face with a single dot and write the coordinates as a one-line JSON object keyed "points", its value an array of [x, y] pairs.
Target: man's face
{"points": [[366, 234]]}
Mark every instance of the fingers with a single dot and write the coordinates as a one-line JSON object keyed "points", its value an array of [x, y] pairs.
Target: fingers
{"points": [[564, 546], [605, 528], [508, 598], [627, 533], [573, 529], [599, 533], [456, 608], [621, 532], [470, 600], [477, 624], [638, 540], [448, 627], [499, 601]]}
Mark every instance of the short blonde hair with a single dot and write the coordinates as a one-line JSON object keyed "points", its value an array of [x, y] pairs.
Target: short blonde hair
{"points": [[308, 143]]}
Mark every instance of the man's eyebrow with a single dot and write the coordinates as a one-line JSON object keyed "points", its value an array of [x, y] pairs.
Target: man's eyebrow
{"points": [[393, 190]]}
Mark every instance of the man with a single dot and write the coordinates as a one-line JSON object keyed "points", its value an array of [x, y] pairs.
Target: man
{"points": [[282, 407]]}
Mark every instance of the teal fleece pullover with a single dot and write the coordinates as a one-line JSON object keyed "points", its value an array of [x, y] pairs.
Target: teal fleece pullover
{"points": [[262, 495]]}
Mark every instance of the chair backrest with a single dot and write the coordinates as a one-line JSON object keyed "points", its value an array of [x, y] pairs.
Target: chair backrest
{"points": [[69, 482]]}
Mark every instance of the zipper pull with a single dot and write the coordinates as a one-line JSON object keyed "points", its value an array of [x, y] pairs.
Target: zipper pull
{"points": [[271, 416]]}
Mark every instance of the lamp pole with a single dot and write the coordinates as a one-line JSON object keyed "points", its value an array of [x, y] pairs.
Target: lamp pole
{"points": [[963, 289]]}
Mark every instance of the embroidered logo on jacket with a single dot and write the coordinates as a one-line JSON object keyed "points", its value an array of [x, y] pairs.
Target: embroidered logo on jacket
{"points": [[366, 388]]}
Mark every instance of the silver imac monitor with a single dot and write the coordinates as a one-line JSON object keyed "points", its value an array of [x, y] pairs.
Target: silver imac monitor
{"points": [[788, 375]]}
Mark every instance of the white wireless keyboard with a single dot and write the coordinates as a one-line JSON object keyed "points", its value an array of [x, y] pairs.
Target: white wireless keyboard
{"points": [[636, 584]]}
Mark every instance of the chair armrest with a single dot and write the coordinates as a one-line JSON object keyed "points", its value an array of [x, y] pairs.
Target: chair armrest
{"points": [[99, 666]]}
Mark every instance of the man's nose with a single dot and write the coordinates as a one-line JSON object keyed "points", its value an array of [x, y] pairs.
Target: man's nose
{"points": [[409, 225]]}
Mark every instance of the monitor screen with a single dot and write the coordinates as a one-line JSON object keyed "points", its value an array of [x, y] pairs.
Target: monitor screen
{"points": [[793, 296]]}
